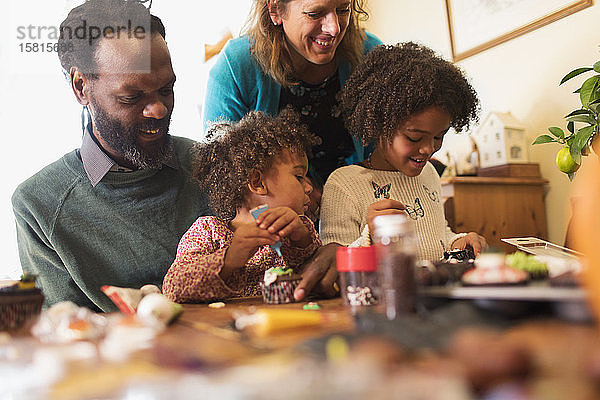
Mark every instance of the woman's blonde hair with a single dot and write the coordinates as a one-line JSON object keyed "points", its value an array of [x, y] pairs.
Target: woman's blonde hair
{"points": [[269, 47]]}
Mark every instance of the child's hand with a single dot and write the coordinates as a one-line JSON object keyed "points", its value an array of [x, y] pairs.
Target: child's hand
{"points": [[246, 240], [284, 221], [472, 240], [383, 207]]}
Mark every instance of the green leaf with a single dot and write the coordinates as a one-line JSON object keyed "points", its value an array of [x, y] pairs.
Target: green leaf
{"points": [[556, 131], [571, 127], [578, 112], [597, 66], [587, 90], [585, 133], [544, 139], [595, 105], [595, 94], [575, 153], [582, 118], [574, 73], [579, 141]]}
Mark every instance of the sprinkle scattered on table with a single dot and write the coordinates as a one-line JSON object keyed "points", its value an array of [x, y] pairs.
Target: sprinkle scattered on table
{"points": [[312, 306]]}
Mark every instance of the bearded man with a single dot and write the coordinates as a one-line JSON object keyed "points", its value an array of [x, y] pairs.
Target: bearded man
{"points": [[112, 211]]}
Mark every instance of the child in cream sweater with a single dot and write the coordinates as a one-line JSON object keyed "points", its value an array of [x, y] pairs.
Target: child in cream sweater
{"points": [[402, 99]]}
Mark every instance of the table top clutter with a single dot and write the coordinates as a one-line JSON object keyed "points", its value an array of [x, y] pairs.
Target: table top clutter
{"points": [[536, 339], [316, 353]]}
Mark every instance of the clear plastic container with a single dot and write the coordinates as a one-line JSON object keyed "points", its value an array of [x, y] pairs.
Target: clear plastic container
{"points": [[395, 241], [359, 280]]}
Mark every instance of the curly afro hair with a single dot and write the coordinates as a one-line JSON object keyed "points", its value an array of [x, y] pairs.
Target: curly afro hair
{"points": [[233, 150], [395, 82]]}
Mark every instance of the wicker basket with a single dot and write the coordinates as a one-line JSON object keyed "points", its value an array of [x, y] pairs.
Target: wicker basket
{"points": [[18, 307]]}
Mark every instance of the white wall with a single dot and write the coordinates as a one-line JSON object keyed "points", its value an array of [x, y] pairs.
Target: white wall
{"points": [[520, 76], [39, 114]]}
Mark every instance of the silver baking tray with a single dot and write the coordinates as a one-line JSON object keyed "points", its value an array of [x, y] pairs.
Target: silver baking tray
{"points": [[569, 302], [540, 247], [534, 291]]}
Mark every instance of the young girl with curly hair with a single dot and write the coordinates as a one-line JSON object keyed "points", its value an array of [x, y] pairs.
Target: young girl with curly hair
{"points": [[402, 99], [259, 160]]}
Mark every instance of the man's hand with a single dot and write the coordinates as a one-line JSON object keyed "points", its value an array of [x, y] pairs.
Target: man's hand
{"points": [[320, 275], [246, 240], [383, 207], [283, 221], [472, 240]]}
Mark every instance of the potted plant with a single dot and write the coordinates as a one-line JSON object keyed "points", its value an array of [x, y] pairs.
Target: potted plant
{"points": [[578, 139]]}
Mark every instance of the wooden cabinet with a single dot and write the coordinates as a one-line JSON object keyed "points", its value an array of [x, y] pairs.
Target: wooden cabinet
{"points": [[495, 207]]}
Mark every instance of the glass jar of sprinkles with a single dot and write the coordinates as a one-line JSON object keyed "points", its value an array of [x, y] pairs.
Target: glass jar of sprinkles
{"points": [[396, 245], [359, 281]]}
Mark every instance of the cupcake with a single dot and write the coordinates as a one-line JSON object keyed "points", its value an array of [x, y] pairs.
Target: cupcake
{"points": [[20, 301], [278, 285]]}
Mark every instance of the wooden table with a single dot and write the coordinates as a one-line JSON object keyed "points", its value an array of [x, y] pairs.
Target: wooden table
{"points": [[201, 345], [211, 328]]}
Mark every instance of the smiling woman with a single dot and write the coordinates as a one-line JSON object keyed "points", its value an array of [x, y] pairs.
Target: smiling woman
{"points": [[313, 30], [298, 53]]}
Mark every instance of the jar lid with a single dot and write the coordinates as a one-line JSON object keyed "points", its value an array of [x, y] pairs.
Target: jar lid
{"points": [[362, 259], [392, 224]]}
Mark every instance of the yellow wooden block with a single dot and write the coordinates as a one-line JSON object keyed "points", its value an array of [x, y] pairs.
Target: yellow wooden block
{"points": [[269, 320]]}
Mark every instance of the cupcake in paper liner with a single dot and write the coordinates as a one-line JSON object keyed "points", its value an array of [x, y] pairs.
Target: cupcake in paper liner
{"points": [[278, 285]]}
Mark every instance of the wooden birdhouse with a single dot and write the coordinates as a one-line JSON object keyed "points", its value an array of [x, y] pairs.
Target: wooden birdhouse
{"points": [[501, 140]]}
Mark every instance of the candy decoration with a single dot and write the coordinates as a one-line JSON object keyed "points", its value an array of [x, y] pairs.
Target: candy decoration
{"points": [[360, 296], [255, 213], [311, 306]]}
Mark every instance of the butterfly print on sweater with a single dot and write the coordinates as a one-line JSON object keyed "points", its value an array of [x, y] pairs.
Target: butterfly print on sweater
{"points": [[433, 195], [416, 211], [381, 191]]}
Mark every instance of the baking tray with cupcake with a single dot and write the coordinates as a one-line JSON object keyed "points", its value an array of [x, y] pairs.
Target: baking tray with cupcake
{"points": [[538, 273]]}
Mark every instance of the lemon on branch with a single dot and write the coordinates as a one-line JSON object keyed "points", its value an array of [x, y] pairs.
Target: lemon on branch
{"points": [[565, 162]]}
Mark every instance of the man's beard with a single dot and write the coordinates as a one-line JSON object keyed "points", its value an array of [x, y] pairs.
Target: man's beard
{"points": [[123, 139]]}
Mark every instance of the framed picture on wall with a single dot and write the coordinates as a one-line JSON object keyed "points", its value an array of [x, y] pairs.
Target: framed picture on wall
{"points": [[477, 25]]}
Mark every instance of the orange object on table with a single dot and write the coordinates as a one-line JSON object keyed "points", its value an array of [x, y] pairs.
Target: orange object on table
{"points": [[586, 228]]}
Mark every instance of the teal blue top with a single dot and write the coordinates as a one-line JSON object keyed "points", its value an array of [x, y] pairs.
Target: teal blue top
{"points": [[237, 85], [122, 232]]}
